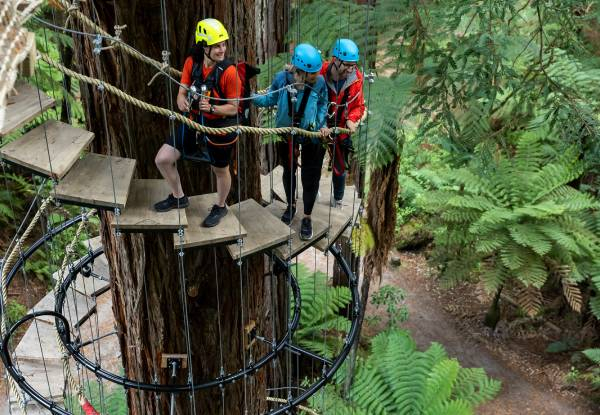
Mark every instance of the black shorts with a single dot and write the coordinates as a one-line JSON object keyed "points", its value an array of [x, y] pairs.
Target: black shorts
{"points": [[190, 142]]}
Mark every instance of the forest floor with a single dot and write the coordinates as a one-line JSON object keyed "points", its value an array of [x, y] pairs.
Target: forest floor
{"points": [[531, 383]]}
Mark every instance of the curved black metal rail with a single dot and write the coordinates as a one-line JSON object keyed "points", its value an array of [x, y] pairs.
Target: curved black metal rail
{"points": [[335, 365], [73, 348]]}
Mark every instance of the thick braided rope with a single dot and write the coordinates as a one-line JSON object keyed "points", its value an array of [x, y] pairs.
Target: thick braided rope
{"points": [[73, 10], [192, 124], [11, 258], [69, 254]]}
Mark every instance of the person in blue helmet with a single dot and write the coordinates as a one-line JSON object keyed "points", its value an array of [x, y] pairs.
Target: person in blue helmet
{"points": [[302, 105], [346, 108]]}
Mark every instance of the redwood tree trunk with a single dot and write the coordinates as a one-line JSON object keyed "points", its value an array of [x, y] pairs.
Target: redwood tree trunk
{"points": [[147, 283]]}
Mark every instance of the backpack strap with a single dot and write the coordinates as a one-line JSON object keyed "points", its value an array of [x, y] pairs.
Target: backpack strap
{"points": [[297, 115]]}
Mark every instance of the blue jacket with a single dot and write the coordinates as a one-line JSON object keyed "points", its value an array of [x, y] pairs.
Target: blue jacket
{"points": [[315, 112]]}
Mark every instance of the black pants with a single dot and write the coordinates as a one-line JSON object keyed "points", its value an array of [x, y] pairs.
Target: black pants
{"points": [[311, 160]]}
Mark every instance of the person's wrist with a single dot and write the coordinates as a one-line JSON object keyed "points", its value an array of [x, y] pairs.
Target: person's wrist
{"points": [[212, 109]]}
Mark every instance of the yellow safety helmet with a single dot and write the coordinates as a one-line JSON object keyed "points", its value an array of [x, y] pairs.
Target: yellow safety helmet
{"points": [[211, 31]]}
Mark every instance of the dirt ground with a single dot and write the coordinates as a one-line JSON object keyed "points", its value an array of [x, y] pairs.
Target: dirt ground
{"points": [[531, 384]]}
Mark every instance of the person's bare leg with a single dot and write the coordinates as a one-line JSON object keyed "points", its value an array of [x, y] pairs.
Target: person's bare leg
{"points": [[165, 162], [223, 183]]}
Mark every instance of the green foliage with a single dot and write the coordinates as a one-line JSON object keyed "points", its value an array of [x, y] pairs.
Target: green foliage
{"points": [[321, 329], [396, 378], [106, 400], [520, 222], [593, 374], [362, 238], [392, 298], [14, 311]]}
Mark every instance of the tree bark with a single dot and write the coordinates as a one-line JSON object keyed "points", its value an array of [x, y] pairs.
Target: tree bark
{"points": [[147, 284]]}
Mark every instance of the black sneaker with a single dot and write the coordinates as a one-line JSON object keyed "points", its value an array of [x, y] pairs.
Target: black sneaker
{"points": [[288, 215], [215, 215], [171, 202], [306, 232]]}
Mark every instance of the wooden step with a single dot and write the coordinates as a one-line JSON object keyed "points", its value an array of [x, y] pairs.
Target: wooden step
{"points": [[24, 107], [139, 214], [64, 144], [278, 190], [90, 182], [265, 231], [229, 229], [338, 219], [320, 228]]}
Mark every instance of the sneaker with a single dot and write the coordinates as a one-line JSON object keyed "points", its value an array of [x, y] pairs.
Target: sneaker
{"points": [[335, 203], [171, 202], [215, 215], [306, 232], [288, 215]]}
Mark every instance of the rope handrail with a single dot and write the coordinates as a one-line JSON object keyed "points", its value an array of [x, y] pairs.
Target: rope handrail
{"points": [[74, 10], [7, 264], [188, 122]]}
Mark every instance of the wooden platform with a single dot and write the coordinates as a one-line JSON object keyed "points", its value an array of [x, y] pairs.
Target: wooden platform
{"points": [[90, 182], [139, 214], [278, 190], [227, 230], [320, 228], [24, 107], [265, 231], [64, 144], [339, 221]]}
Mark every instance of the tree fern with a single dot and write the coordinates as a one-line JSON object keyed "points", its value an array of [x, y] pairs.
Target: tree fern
{"points": [[522, 215], [321, 329], [396, 378]]}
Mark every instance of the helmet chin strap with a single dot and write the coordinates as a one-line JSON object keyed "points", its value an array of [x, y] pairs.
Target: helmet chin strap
{"points": [[207, 55]]}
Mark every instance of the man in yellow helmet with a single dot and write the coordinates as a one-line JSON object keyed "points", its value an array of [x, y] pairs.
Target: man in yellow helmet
{"points": [[208, 71]]}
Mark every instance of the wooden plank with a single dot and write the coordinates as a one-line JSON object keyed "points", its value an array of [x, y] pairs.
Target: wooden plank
{"points": [[64, 143], [139, 214], [24, 107], [339, 221], [264, 230], [229, 229], [320, 228], [278, 190], [90, 181]]}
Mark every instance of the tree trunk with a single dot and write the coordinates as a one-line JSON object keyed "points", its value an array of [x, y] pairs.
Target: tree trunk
{"points": [[147, 284]]}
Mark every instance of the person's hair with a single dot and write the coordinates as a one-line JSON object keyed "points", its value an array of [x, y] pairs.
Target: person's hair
{"points": [[197, 53]]}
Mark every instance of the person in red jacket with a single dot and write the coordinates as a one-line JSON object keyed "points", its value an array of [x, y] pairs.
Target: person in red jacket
{"points": [[87, 407], [346, 107]]}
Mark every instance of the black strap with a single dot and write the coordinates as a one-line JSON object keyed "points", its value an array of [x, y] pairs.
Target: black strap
{"points": [[339, 109], [213, 79], [297, 115]]}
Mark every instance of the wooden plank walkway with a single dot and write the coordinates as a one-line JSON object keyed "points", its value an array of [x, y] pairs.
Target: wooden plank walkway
{"points": [[90, 182], [320, 228], [339, 219], [229, 229], [139, 214], [52, 157], [265, 231], [265, 186], [24, 107]]}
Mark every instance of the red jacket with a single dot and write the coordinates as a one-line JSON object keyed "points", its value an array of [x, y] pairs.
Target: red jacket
{"points": [[89, 409], [355, 103]]}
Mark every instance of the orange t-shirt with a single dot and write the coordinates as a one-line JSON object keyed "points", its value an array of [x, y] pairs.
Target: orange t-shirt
{"points": [[230, 83]]}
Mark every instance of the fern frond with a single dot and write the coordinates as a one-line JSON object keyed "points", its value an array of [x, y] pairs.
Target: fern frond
{"points": [[530, 300], [572, 294]]}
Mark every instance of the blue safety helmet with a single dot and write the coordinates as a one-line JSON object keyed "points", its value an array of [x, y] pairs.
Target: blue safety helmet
{"points": [[345, 50], [307, 58]]}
